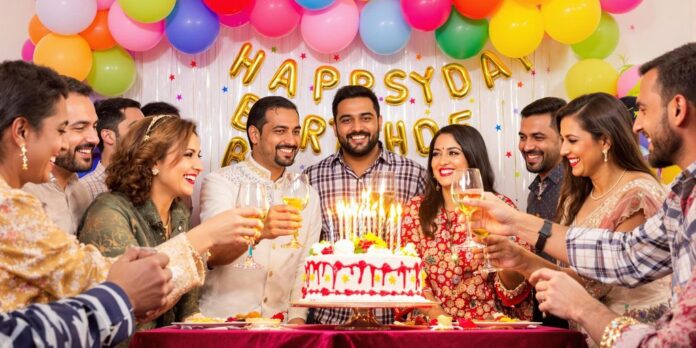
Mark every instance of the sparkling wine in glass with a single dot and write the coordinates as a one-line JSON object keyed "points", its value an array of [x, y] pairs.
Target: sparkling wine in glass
{"points": [[252, 195], [466, 185], [481, 232], [294, 189]]}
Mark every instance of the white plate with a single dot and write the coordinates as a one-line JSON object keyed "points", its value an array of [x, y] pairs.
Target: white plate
{"points": [[517, 324], [194, 325]]}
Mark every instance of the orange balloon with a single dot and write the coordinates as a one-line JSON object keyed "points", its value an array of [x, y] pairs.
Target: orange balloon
{"points": [[97, 34], [36, 30], [68, 55]]}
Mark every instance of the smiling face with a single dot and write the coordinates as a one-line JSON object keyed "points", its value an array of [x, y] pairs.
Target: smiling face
{"points": [[447, 157], [44, 145], [276, 145], [357, 126], [539, 143], [81, 134], [584, 154], [179, 170]]}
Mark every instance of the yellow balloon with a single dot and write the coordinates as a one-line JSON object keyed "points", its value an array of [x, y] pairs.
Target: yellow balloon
{"points": [[516, 30], [531, 2], [492, 68], [449, 72], [423, 123], [252, 65], [360, 77], [402, 91], [460, 117], [286, 76], [399, 140], [590, 76], [242, 111], [312, 127], [236, 151], [668, 174], [571, 21], [68, 55], [325, 77]]}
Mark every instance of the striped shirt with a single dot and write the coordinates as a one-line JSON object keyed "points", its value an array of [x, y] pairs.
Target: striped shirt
{"points": [[99, 317], [334, 180], [95, 181], [662, 245]]}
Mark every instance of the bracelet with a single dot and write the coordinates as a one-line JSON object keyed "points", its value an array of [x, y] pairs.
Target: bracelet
{"points": [[614, 330]]}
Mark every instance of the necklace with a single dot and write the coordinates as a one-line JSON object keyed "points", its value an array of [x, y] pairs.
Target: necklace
{"points": [[166, 226], [611, 189]]}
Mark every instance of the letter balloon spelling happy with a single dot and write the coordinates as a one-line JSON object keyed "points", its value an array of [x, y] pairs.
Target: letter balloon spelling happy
{"points": [[253, 65], [286, 76]]}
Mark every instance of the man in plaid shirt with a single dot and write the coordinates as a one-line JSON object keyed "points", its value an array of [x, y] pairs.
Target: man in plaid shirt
{"points": [[345, 174], [663, 245]]}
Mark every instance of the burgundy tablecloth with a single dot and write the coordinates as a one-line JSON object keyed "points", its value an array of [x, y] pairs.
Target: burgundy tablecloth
{"points": [[295, 338]]}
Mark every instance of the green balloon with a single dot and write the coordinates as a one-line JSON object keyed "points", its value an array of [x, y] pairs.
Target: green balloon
{"points": [[147, 11], [602, 42], [460, 37], [113, 72]]}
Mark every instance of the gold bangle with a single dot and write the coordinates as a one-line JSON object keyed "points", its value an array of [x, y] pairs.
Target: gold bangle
{"points": [[614, 330]]}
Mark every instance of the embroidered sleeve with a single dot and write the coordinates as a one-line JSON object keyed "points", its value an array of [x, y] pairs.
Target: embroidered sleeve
{"points": [[632, 202]]}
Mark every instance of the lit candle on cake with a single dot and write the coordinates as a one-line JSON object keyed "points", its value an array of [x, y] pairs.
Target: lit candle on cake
{"points": [[398, 226], [332, 239], [391, 226]]}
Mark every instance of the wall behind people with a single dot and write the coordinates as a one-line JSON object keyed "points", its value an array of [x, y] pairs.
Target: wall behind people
{"points": [[201, 87]]}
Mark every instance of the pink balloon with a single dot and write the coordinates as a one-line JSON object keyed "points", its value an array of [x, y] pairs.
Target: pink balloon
{"points": [[132, 35], [619, 6], [426, 15], [275, 18], [332, 29], [104, 4], [237, 19], [28, 51], [627, 81]]}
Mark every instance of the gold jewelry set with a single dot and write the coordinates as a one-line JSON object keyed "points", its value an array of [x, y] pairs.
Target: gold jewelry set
{"points": [[614, 330]]}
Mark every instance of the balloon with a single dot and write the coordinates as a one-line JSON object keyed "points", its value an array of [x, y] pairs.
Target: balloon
{"points": [[402, 91], [236, 151], [285, 76], [36, 30], [252, 65], [28, 51], [448, 72], [312, 127], [424, 82], [238, 19], [275, 18], [191, 27], [104, 4], [462, 38], [97, 34], [476, 9], [526, 63], [571, 21], [426, 15], [383, 28], [68, 55], [459, 117], [668, 174], [113, 72], [66, 17], [360, 77], [132, 35], [242, 111], [392, 140], [149, 11], [516, 30], [493, 68], [324, 77], [619, 6], [602, 42], [423, 123], [227, 7], [532, 2], [314, 5], [627, 82], [590, 76], [333, 29]]}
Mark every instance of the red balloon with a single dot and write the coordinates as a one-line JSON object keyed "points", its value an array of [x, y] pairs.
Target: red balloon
{"points": [[227, 7], [476, 9]]}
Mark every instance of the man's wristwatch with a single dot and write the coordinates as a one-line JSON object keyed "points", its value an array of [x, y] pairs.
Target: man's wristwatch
{"points": [[544, 233]]}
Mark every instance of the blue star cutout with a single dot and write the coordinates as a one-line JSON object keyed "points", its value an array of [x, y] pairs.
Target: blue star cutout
{"points": [[515, 111], [498, 127], [224, 89]]}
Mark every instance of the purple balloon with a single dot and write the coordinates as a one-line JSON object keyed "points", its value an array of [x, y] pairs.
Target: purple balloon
{"points": [[237, 19], [28, 51], [192, 27]]}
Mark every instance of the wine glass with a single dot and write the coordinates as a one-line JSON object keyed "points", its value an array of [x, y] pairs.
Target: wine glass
{"points": [[466, 185], [252, 195], [294, 189], [481, 232]]}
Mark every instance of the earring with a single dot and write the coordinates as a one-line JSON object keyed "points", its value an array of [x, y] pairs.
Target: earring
{"points": [[437, 187], [155, 171], [25, 160], [605, 152]]}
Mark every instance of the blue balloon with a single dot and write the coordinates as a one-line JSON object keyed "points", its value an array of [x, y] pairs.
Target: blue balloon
{"points": [[314, 5], [192, 27], [383, 28]]}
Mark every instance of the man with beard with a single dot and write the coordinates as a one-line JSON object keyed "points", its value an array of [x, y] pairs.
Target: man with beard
{"points": [[273, 130], [64, 198], [345, 174], [663, 245]]}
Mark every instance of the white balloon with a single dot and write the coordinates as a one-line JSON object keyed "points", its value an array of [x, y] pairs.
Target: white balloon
{"points": [[66, 17]]}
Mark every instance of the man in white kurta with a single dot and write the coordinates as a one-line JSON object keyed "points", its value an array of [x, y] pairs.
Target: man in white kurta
{"points": [[273, 129]]}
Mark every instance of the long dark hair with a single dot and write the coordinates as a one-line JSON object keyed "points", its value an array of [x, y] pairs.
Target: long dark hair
{"points": [[604, 117], [476, 154]]}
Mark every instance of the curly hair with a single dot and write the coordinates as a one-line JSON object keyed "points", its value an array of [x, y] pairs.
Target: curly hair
{"points": [[130, 172]]}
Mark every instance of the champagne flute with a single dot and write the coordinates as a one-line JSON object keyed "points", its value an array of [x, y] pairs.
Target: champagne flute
{"points": [[382, 192], [466, 185], [481, 232], [252, 195], [295, 192]]}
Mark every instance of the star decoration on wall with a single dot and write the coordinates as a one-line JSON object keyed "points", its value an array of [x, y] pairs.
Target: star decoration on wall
{"points": [[472, 100], [193, 63], [427, 111], [498, 127], [418, 56], [171, 77], [508, 154], [518, 174], [224, 89], [179, 97], [515, 111], [412, 100], [274, 49], [311, 88], [520, 84], [336, 57], [381, 98], [303, 55], [533, 72], [632, 27]]}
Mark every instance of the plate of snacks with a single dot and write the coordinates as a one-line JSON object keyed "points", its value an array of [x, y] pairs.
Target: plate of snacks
{"points": [[502, 320], [199, 321]]}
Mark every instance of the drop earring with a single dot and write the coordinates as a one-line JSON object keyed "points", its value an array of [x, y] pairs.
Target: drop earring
{"points": [[605, 152], [25, 160]]}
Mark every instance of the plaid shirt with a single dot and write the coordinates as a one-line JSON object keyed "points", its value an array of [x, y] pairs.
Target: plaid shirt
{"points": [[335, 181], [655, 249]]}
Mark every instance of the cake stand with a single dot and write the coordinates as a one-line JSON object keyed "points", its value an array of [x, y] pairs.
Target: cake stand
{"points": [[363, 317]]}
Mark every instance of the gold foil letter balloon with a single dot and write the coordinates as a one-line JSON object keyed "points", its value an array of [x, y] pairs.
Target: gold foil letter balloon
{"points": [[396, 140], [389, 81], [492, 68], [460, 117], [325, 77], [236, 151], [418, 127], [252, 65], [424, 81], [312, 127], [361, 77], [449, 72], [286, 76], [242, 112], [528, 65]]}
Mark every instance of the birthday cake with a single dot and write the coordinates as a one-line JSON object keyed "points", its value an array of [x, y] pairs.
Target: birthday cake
{"points": [[363, 271]]}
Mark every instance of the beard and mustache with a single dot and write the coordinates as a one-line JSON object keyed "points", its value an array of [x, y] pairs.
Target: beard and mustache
{"points": [[71, 163], [358, 151]]}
